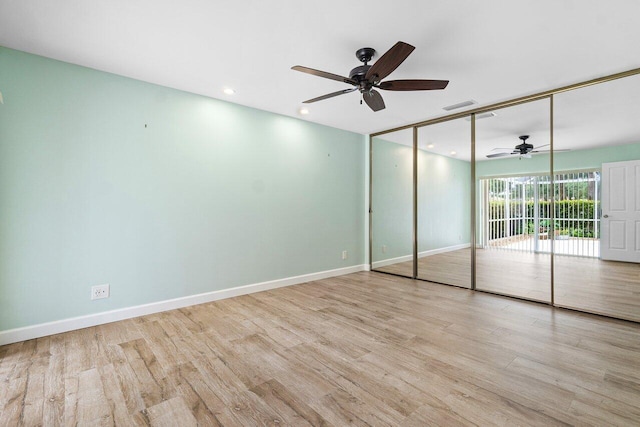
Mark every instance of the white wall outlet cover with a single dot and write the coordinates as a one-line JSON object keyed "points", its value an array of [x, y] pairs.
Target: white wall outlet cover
{"points": [[100, 291]]}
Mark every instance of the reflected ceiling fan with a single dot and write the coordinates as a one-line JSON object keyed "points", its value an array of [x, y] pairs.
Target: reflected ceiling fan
{"points": [[367, 78], [523, 150]]}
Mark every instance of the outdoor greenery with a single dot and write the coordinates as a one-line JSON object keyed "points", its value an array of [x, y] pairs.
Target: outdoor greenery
{"points": [[574, 218], [575, 209]]}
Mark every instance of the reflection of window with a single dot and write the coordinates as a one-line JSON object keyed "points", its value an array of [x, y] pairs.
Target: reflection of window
{"points": [[517, 213]]}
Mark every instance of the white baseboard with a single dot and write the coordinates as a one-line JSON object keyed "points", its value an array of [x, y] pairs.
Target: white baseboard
{"points": [[405, 258], [390, 261], [44, 329]]}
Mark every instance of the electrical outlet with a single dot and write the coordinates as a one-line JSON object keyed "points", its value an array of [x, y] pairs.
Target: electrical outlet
{"points": [[344, 254], [384, 249], [100, 291]]}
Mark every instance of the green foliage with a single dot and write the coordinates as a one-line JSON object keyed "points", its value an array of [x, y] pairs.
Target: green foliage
{"points": [[575, 209], [573, 217]]}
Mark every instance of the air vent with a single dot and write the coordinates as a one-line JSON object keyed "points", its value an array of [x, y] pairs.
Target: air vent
{"points": [[482, 116], [459, 105]]}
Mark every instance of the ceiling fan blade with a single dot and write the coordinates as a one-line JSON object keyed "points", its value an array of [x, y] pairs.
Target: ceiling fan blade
{"points": [[374, 100], [389, 61], [546, 151], [329, 95], [414, 84], [540, 146], [500, 155], [324, 74]]}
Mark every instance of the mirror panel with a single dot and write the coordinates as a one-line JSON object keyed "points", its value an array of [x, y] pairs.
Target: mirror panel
{"points": [[444, 203], [514, 233], [392, 203], [597, 168]]}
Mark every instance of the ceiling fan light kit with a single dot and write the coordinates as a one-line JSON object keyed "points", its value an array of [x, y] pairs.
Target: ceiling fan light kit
{"points": [[367, 78]]}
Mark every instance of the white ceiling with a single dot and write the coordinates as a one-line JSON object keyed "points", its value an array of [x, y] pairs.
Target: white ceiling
{"points": [[490, 51]]}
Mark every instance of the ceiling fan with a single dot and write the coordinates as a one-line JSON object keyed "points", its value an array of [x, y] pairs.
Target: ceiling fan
{"points": [[523, 150], [366, 78]]}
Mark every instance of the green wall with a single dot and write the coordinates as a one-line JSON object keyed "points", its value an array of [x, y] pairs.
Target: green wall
{"points": [[443, 200], [391, 200], [160, 193]]}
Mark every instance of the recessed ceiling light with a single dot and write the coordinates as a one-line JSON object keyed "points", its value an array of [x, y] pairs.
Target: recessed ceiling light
{"points": [[482, 116], [430, 146], [228, 91], [304, 111], [460, 105], [453, 153]]}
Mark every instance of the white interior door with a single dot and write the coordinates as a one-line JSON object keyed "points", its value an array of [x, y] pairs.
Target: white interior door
{"points": [[620, 222]]}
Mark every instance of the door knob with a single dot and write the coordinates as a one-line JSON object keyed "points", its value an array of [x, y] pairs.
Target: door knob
{"points": [[605, 216]]}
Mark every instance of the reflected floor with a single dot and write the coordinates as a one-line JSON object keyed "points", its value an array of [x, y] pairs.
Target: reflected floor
{"points": [[605, 287], [517, 273]]}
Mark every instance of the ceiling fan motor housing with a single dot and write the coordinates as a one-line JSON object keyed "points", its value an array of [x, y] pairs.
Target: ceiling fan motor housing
{"points": [[359, 73], [524, 148]]}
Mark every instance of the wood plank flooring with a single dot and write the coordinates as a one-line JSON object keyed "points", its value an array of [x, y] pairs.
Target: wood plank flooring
{"points": [[603, 287], [366, 349]]}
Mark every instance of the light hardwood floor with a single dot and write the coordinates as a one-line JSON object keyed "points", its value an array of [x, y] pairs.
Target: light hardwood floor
{"points": [[362, 349], [590, 284]]}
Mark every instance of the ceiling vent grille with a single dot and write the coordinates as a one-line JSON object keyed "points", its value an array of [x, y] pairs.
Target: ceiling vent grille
{"points": [[460, 105]]}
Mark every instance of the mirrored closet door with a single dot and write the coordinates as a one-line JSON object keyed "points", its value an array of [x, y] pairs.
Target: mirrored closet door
{"points": [[597, 192], [514, 226], [392, 203], [444, 203]]}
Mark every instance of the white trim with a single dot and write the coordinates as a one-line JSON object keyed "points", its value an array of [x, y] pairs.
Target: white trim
{"points": [[405, 258], [443, 250], [65, 325], [390, 261]]}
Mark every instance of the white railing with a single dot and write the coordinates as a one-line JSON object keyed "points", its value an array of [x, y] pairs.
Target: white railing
{"points": [[517, 214]]}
